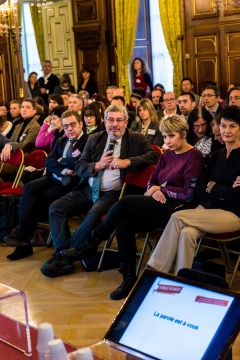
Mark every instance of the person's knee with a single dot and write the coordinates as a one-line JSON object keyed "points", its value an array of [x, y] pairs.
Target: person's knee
{"points": [[55, 208], [189, 235]]}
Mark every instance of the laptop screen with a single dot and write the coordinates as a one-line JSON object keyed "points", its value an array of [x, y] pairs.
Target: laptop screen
{"points": [[169, 318]]}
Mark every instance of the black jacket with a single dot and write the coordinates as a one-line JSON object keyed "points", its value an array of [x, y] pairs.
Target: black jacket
{"points": [[53, 165], [134, 147], [223, 171]]}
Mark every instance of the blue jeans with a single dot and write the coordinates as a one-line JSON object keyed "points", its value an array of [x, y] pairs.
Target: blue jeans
{"points": [[76, 203]]}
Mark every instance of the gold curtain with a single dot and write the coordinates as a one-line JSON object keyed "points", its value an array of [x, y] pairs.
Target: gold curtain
{"points": [[126, 25], [170, 14], [38, 31]]}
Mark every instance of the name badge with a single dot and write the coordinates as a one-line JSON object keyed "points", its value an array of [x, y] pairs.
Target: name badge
{"points": [[151, 132], [138, 81]]}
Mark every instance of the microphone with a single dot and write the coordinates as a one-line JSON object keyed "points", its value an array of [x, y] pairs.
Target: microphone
{"points": [[111, 144]]}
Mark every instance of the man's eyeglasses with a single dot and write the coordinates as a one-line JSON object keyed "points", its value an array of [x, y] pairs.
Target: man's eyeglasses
{"points": [[118, 120], [67, 126], [208, 95], [166, 100]]}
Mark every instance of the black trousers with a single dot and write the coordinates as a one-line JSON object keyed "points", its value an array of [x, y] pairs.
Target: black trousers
{"points": [[132, 214], [35, 200]]}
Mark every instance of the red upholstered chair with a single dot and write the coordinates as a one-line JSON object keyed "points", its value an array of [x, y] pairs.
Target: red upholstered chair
{"points": [[16, 160], [36, 159], [140, 179], [222, 241], [156, 148]]}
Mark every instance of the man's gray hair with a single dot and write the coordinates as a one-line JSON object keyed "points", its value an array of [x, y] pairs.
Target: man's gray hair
{"points": [[116, 108]]}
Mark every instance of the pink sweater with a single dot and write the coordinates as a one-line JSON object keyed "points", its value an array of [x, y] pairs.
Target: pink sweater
{"points": [[44, 138]]}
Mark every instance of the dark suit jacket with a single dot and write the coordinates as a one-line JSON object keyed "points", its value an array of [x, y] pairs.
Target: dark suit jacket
{"points": [[153, 134], [53, 165], [53, 81], [134, 147]]}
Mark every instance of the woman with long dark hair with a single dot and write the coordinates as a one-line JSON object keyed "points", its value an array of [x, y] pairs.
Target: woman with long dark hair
{"points": [[140, 75], [92, 119], [87, 82]]}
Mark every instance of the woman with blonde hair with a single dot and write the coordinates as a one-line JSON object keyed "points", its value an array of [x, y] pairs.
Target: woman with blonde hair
{"points": [[170, 187], [147, 122]]}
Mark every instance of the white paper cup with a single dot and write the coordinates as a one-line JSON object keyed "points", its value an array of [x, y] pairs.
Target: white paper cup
{"points": [[84, 354], [57, 350], [45, 334]]}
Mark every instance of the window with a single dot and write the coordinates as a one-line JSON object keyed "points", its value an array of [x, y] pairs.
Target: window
{"points": [[31, 60], [161, 60]]}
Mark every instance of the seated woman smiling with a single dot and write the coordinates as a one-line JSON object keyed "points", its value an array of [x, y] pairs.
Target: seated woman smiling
{"points": [[171, 186]]}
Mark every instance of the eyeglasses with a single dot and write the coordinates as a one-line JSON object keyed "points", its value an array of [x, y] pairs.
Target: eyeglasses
{"points": [[200, 126], [172, 99], [118, 120], [234, 98], [67, 126], [208, 95]]}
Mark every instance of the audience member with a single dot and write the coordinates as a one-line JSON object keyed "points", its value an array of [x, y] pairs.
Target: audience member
{"points": [[147, 122], [3, 110], [75, 102], [85, 97], [200, 131], [156, 95], [6, 127], [60, 179], [65, 97], [186, 102], [109, 93], [26, 132], [33, 84], [51, 129], [15, 111], [211, 97], [219, 203], [65, 85], [87, 82], [216, 128], [170, 105], [92, 119], [48, 81], [135, 97], [234, 97], [170, 187], [187, 87], [141, 75], [101, 173]]}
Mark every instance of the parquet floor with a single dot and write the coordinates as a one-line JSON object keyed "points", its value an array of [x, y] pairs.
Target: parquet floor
{"points": [[77, 305]]}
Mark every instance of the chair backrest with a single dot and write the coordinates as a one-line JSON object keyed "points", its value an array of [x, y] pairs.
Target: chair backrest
{"points": [[16, 158], [156, 148], [138, 178], [36, 158]]}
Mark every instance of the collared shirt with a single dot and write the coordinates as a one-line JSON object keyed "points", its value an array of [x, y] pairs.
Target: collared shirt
{"points": [[110, 179], [46, 78], [213, 110]]}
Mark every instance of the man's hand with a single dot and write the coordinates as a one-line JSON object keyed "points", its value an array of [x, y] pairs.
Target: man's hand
{"points": [[6, 152], [69, 172], [120, 164], [105, 161]]}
